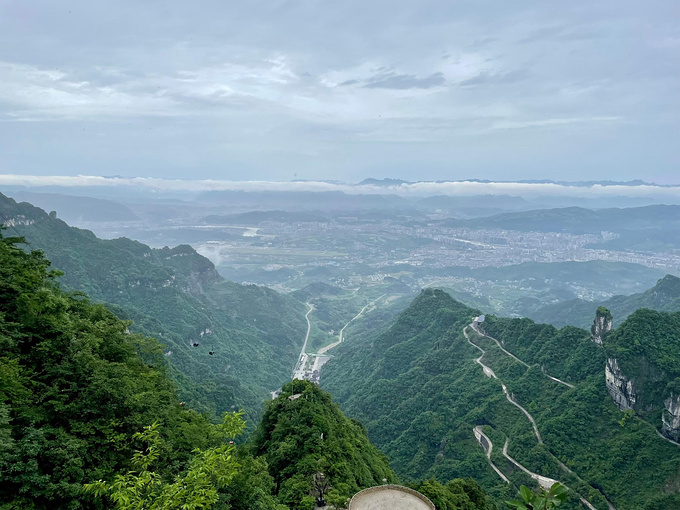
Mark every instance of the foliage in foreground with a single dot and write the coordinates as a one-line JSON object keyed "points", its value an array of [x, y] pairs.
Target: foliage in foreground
{"points": [[74, 387], [544, 500], [196, 488]]}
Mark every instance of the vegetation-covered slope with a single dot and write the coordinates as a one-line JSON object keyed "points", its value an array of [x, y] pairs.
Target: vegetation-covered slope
{"points": [[645, 349], [420, 393], [177, 296], [74, 386], [303, 432], [664, 297]]}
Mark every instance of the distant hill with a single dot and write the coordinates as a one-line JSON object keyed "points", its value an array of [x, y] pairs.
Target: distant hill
{"points": [[578, 220], [72, 208], [303, 200], [650, 228], [177, 296], [316, 289], [664, 297], [382, 182], [257, 217], [481, 202]]}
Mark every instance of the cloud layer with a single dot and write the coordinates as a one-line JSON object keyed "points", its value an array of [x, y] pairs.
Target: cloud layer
{"points": [[425, 188]]}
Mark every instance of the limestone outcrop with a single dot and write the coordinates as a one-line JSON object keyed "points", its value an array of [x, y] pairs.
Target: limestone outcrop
{"points": [[602, 324], [670, 418], [621, 389]]}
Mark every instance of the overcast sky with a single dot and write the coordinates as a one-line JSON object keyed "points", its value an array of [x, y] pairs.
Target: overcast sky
{"points": [[306, 89]]}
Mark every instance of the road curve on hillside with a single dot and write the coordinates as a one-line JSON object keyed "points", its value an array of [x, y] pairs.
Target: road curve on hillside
{"points": [[309, 327], [490, 373], [324, 350], [487, 445], [298, 371], [473, 326], [543, 481]]}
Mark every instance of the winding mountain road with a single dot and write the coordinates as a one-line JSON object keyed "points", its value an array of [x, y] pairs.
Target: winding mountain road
{"points": [[490, 373], [324, 350], [486, 443], [477, 330], [299, 371]]}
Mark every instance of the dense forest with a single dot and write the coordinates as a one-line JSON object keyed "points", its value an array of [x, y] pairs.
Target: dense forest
{"points": [[119, 398], [420, 393]]}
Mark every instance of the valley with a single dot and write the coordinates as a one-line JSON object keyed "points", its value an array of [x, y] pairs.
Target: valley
{"points": [[401, 360]]}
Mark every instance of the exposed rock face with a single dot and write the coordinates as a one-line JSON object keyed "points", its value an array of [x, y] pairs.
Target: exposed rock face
{"points": [[619, 386], [670, 426], [602, 324]]}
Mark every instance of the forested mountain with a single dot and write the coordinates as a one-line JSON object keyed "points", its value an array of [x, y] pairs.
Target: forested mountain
{"points": [[73, 208], [75, 386], [85, 402], [303, 432], [236, 342], [423, 397], [89, 419], [664, 297], [643, 368]]}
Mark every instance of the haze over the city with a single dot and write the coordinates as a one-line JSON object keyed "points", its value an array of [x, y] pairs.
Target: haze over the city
{"points": [[281, 90]]}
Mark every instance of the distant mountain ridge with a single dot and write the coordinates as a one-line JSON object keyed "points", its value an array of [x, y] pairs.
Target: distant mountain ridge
{"points": [[663, 297]]}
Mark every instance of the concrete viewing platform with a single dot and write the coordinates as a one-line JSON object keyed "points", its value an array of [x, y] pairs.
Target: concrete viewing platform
{"points": [[390, 497]]}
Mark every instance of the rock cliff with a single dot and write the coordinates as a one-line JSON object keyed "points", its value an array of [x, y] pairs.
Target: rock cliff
{"points": [[619, 386], [670, 418], [602, 324]]}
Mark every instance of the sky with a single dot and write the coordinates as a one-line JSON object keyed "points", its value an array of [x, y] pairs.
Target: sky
{"points": [[282, 90]]}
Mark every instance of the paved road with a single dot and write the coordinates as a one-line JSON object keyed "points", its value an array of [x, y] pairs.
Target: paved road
{"points": [[543, 481], [490, 373], [488, 448], [324, 350], [299, 371], [474, 326], [309, 327]]}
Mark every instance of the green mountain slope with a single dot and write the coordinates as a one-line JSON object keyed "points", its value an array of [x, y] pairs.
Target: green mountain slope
{"points": [[75, 386], [643, 367], [420, 393], [303, 432], [177, 296], [664, 297]]}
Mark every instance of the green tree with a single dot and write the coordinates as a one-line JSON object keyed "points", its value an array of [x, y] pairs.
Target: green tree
{"points": [[545, 500], [197, 488]]}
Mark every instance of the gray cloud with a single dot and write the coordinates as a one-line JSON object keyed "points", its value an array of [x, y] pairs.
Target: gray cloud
{"points": [[274, 89], [485, 78], [406, 81]]}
